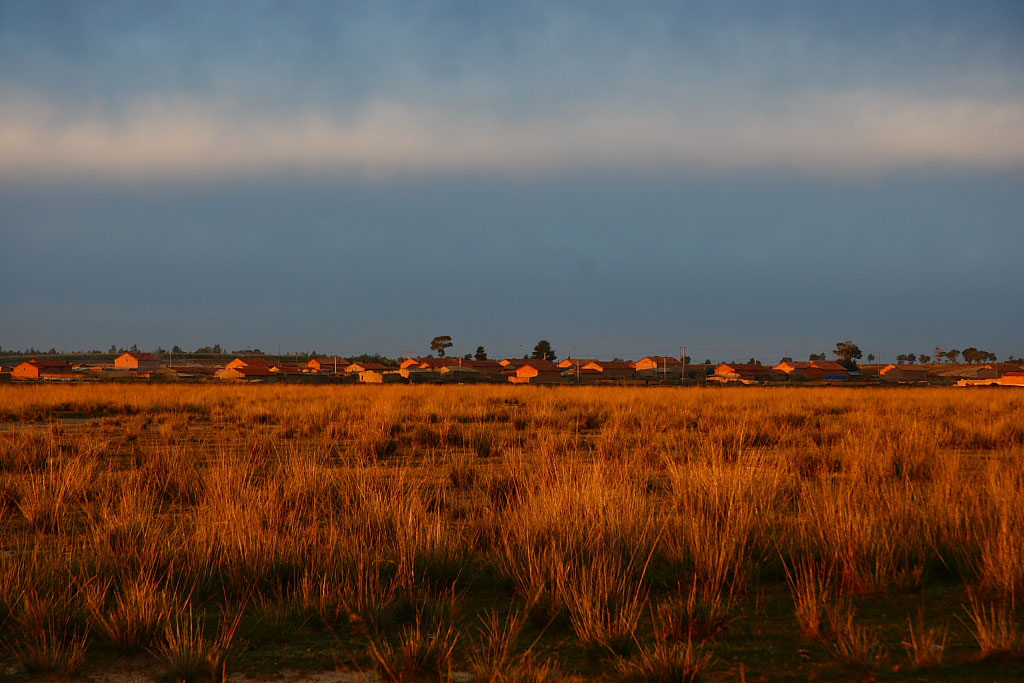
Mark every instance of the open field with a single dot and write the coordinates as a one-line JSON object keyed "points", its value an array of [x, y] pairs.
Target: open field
{"points": [[512, 533]]}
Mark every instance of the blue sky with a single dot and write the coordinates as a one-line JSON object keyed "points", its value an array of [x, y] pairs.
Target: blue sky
{"points": [[622, 178]]}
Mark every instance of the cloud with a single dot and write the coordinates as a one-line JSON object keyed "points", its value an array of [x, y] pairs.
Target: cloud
{"points": [[855, 131]]}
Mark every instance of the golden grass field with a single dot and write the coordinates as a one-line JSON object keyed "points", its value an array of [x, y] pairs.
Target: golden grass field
{"points": [[194, 532]]}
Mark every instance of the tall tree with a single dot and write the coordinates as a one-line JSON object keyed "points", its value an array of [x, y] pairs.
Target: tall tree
{"points": [[543, 351], [481, 353], [952, 354], [847, 353], [440, 344]]}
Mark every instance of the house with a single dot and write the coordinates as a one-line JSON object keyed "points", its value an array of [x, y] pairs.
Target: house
{"points": [[364, 367], [662, 364], [516, 362], [438, 363], [332, 364], [746, 373], [575, 362], [537, 372], [798, 369], [137, 360], [583, 376], [1009, 379], [904, 372], [488, 367], [378, 374], [612, 369], [830, 370], [192, 371], [42, 368], [246, 373], [462, 373], [250, 363]]}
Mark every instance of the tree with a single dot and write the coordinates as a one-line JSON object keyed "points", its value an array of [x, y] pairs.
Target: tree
{"points": [[952, 354], [911, 357], [871, 358], [481, 353], [707, 361], [543, 351], [925, 358], [176, 349], [939, 353], [440, 344], [901, 358], [816, 356], [847, 353]]}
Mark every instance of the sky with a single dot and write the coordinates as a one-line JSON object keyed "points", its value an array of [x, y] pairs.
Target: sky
{"points": [[622, 179]]}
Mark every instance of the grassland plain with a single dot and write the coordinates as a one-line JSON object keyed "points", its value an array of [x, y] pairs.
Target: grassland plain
{"points": [[191, 532]]}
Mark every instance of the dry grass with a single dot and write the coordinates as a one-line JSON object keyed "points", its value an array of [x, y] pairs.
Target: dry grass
{"points": [[926, 645], [586, 528], [996, 629]]}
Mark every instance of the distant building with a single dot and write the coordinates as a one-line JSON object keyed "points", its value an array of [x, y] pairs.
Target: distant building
{"points": [[612, 369], [332, 364], [575, 362], [818, 369], [904, 372], [379, 374], [516, 362], [747, 373], [830, 370], [250, 363], [247, 373], [488, 367], [363, 367], [666, 364], [137, 360], [42, 368], [537, 372]]}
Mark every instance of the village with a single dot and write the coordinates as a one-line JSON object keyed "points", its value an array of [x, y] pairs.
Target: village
{"points": [[649, 370]]}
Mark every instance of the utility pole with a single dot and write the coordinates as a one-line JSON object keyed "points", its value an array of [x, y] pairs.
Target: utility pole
{"points": [[682, 359]]}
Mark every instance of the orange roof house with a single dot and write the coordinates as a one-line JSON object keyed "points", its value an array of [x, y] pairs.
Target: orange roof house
{"points": [[830, 369], [574, 362], [795, 368], [247, 373], [746, 373], [379, 375], [818, 369], [287, 368], [438, 363], [516, 362], [904, 372], [492, 367], [41, 368], [611, 369], [659, 363], [136, 360], [332, 364], [250, 363], [537, 372], [363, 367]]}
